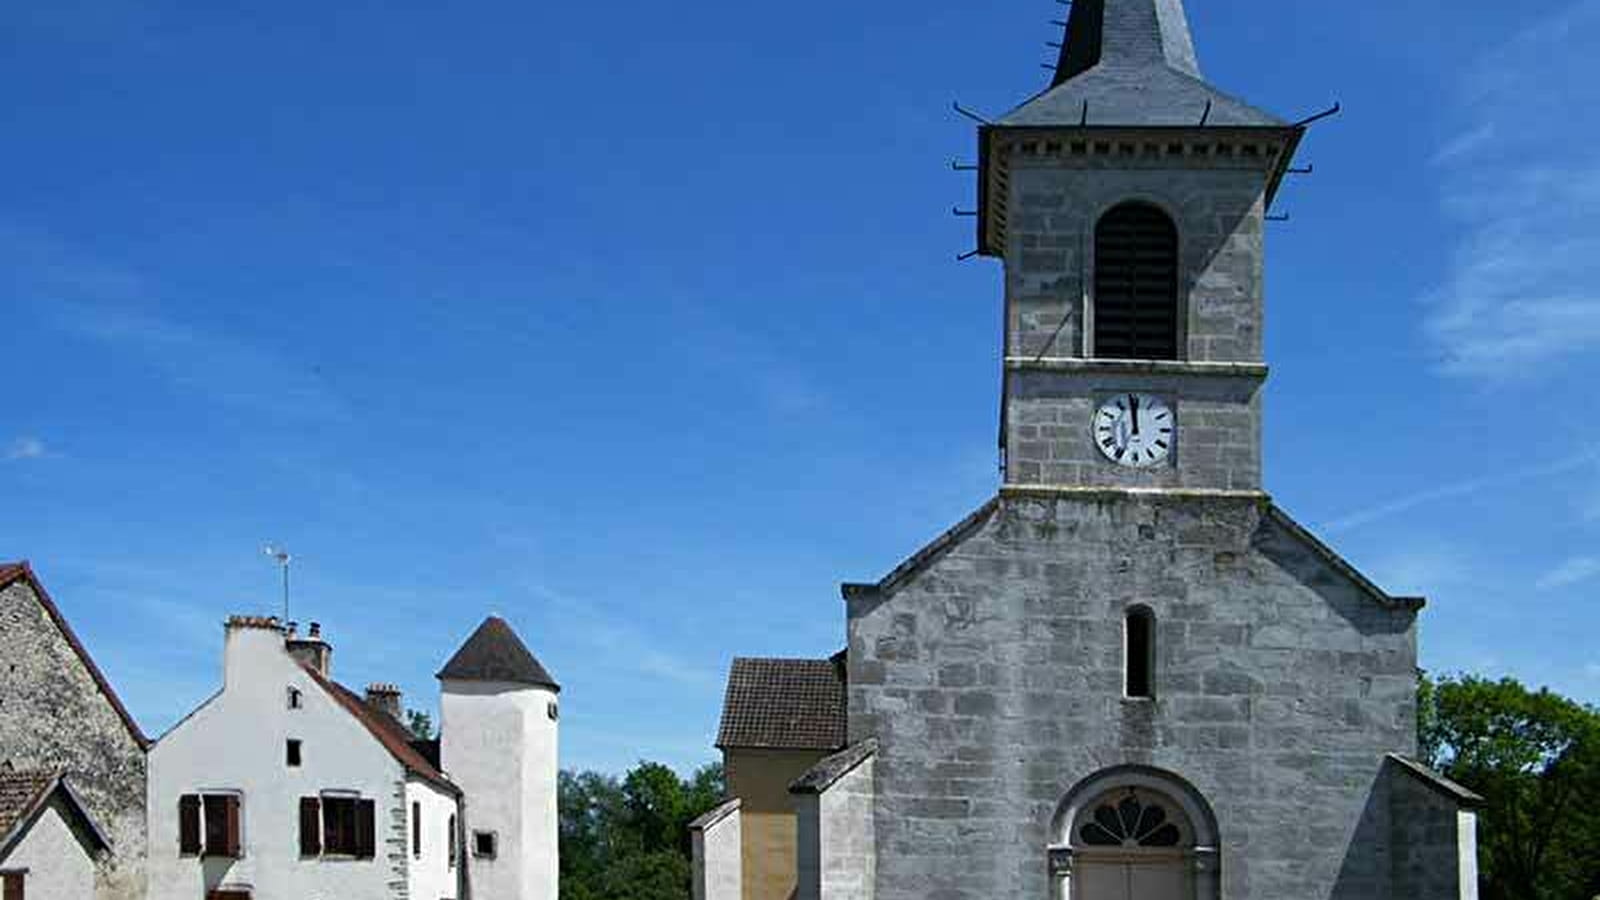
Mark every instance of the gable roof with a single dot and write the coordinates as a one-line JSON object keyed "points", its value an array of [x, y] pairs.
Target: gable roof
{"points": [[24, 794], [784, 704], [1339, 564], [927, 556], [10, 573], [495, 653], [390, 733], [1463, 795]]}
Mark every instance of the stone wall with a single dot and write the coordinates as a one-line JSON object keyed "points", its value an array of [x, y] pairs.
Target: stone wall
{"points": [[838, 848], [992, 675], [1434, 840], [1056, 199], [53, 715], [1217, 201], [1051, 440]]}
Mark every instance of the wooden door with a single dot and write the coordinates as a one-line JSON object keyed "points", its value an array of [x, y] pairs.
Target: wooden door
{"points": [[1131, 879]]}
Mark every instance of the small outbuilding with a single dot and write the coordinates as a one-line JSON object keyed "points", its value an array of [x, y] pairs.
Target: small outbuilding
{"points": [[49, 844]]}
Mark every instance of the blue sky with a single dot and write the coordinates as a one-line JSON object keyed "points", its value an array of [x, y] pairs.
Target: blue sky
{"points": [[639, 324]]}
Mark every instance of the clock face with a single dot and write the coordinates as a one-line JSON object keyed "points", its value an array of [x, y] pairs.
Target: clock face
{"points": [[1135, 430]]}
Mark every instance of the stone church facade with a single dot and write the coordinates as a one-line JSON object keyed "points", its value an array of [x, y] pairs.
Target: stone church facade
{"points": [[1130, 675]]}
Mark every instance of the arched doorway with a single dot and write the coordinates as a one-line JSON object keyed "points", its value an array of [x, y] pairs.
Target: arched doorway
{"points": [[1134, 833]]}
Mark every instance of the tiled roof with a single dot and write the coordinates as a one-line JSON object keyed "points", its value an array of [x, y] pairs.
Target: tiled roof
{"points": [[12, 572], [391, 734], [20, 793], [495, 653], [784, 704], [21, 796]]}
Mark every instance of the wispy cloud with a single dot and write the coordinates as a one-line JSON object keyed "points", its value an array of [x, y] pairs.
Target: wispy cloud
{"points": [[26, 448], [1524, 286], [212, 364], [1454, 490], [77, 292], [1573, 571]]}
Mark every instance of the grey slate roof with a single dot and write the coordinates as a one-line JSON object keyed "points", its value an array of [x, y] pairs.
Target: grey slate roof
{"points": [[1132, 63], [495, 653], [822, 776], [784, 704], [1462, 795]]}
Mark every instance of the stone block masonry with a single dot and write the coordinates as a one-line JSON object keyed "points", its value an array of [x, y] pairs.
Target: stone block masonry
{"points": [[992, 676]]}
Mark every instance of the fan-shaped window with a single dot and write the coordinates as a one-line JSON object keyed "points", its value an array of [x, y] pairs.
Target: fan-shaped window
{"points": [[1136, 284], [1132, 818]]}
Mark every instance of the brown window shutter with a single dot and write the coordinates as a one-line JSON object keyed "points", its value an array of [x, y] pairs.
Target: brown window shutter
{"points": [[310, 826], [230, 807], [216, 825], [14, 885], [189, 825], [366, 829]]}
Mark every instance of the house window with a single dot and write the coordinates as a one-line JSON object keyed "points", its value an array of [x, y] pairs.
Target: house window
{"points": [[209, 825], [291, 753], [349, 826], [416, 829], [553, 711], [12, 882], [485, 844], [1136, 284], [1139, 653], [451, 840], [295, 699]]}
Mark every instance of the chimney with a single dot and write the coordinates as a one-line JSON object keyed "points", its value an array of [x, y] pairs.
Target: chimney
{"points": [[312, 650], [386, 698], [247, 642]]}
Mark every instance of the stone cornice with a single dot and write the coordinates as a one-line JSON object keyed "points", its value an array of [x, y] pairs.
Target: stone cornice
{"points": [[1074, 365], [1074, 492]]}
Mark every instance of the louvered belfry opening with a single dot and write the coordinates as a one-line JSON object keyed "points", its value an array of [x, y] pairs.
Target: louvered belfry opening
{"points": [[1136, 284]]}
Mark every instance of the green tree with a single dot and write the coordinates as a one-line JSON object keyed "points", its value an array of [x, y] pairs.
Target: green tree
{"points": [[1535, 758], [628, 839], [420, 724]]}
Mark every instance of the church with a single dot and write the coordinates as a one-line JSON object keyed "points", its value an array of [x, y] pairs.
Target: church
{"points": [[1130, 675]]}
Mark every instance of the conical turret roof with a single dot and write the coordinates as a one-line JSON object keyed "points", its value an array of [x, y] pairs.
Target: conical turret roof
{"points": [[1133, 63], [495, 653]]}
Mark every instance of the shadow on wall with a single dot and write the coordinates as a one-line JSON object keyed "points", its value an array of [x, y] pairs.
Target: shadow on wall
{"points": [[1365, 872], [1339, 589]]}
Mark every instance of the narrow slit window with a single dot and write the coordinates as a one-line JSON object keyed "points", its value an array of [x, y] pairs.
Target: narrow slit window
{"points": [[416, 829], [291, 753], [1136, 284], [1139, 629]]}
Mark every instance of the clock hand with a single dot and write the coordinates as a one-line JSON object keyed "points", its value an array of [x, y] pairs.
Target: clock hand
{"points": [[1134, 402]]}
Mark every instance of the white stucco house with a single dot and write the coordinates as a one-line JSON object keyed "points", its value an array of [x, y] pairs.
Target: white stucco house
{"points": [[285, 783], [49, 844]]}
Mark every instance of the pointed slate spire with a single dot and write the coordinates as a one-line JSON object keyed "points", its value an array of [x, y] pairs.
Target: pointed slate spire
{"points": [[1132, 63], [495, 653], [1126, 33]]}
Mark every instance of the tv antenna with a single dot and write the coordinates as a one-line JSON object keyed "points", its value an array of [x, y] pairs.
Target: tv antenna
{"points": [[282, 557]]}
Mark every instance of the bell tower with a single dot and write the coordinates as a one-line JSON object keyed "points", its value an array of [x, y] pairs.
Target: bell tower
{"points": [[1127, 202]]}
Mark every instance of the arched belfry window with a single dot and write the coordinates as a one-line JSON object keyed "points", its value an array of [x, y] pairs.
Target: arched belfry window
{"points": [[1136, 284], [1139, 652]]}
